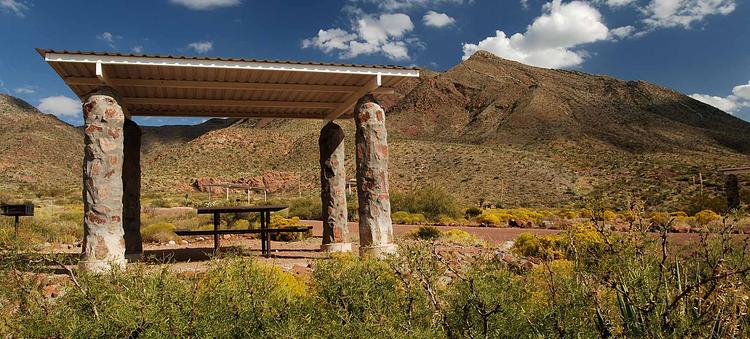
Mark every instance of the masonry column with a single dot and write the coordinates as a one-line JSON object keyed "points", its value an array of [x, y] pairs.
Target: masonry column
{"points": [[333, 189], [375, 228], [103, 243], [131, 185], [733, 191]]}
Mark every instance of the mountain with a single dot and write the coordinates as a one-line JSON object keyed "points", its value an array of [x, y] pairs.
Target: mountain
{"points": [[488, 128], [37, 150]]}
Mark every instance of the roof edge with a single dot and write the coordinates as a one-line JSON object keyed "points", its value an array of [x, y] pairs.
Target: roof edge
{"points": [[43, 52]]}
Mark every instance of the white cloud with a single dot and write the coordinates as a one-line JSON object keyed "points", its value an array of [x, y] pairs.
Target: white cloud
{"points": [[383, 34], [725, 104], [525, 4], [137, 49], [623, 32], [201, 47], [400, 5], [435, 19], [16, 7], [683, 13], [24, 90], [550, 40], [108, 38], [60, 106], [616, 3], [739, 98], [742, 91], [205, 5]]}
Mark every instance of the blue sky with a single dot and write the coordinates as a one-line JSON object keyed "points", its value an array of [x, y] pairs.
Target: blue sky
{"points": [[698, 47]]}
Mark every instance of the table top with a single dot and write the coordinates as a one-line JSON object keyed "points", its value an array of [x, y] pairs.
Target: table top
{"points": [[241, 209]]}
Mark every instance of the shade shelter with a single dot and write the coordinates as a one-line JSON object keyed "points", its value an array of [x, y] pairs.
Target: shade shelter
{"points": [[115, 87]]}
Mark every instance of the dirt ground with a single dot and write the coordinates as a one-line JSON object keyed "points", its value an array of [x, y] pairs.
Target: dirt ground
{"points": [[192, 253]]}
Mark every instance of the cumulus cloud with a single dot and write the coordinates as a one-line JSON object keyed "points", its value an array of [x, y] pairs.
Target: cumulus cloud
{"points": [[24, 90], [400, 5], [623, 32], [384, 34], [616, 3], [137, 49], [205, 5], [732, 103], [16, 7], [60, 106], [683, 13], [201, 47], [551, 39], [438, 20]]}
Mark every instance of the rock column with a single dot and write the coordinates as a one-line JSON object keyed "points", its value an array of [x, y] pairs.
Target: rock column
{"points": [[375, 227], [733, 191], [131, 185], [333, 189], [103, 243]]}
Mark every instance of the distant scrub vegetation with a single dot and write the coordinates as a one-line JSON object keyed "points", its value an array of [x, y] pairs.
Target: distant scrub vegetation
{"points": [[582, 283]]}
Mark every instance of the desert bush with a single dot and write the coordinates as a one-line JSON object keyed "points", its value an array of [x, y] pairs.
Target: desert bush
{"points": [[306, 208], [159, 232], [406, 218], [431, 201], [569, 214], [704, 217], [582, 283], [488, 219], [472, 212], [530, 245], [278, 221], [609, 215], [424, 233], [460, 237]]}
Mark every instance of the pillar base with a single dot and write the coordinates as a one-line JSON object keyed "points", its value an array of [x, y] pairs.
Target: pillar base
{"points": [[379, 252], [337, 247], [101, 266], [133, 257]]}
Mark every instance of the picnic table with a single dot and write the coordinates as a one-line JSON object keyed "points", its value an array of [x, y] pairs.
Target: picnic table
{"points": [[265, 223]]}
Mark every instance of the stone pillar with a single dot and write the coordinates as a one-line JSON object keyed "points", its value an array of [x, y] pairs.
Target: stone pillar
{"points": [[333, 189], [103, 243], [131, 186], [375, 227], [733, 191]]}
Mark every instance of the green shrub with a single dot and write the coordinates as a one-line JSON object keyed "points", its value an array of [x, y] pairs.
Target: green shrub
{"points": [[406, 218], [530, 245], [431, 201], [278, 221], [159, 232], [306, 208], [429, 233], [472, 212]]}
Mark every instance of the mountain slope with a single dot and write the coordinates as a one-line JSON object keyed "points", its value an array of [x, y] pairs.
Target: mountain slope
{"points": [[488, 129], [37, 151]]}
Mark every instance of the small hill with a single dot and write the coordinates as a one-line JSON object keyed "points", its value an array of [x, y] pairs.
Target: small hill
{"points": [[37, 151]]}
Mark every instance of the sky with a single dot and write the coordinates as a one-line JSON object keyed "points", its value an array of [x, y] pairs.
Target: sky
{"points": [[697, 47]]}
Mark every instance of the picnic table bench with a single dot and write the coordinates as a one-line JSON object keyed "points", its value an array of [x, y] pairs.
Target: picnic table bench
{"points": [[264, 231]]}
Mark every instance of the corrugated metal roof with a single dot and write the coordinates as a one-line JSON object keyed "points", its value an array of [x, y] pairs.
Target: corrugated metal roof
{"points": [[154, 85], [184, 57]]}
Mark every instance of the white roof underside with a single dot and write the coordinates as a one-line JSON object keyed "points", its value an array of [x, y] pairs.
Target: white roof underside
{"points": [[153, 85]]}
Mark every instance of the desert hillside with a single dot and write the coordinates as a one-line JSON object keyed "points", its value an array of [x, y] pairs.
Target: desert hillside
{"points": [[488, 129]]}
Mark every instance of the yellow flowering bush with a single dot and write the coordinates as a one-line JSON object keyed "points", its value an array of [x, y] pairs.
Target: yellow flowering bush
{"points": [[706, 216]]}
